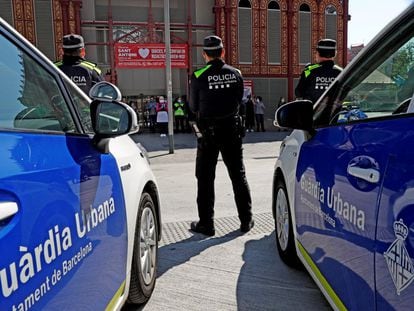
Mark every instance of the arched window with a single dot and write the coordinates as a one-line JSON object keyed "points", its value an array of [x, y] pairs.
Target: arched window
{"points": [[305, 31], [330, 22], [273, 5], [245, 4], [273, 32], [245, 31]]}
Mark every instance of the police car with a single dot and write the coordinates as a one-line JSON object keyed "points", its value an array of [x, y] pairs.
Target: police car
{"points": [[343, 191], [79, 205]]}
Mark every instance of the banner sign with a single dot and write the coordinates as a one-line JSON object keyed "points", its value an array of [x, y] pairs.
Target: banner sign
{"points": [[248, 88], [137, 55]]}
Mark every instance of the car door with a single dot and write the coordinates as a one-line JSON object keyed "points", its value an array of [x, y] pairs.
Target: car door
{"points": [[336, 211], [63, 236], [394, 260], [351, 176]]}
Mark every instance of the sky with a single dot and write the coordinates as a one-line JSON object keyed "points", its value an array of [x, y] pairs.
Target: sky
{"points": [[368, 17]]}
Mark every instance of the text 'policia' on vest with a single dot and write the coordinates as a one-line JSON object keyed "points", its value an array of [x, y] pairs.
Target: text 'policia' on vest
{"points": [[316, 78]]}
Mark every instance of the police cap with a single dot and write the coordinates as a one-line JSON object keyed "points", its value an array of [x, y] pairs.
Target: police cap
{"points": [[327, 44], [326, 47], [212, 43], [73, 41]]}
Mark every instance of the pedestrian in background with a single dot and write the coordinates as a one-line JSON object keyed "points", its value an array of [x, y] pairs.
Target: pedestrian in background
{"points": [[189, 114], [216, 95], [162, 116], [259, 108], [179, 115], [316, 78], [282, 101], [83, 73], [250, 114], [152, 113]]}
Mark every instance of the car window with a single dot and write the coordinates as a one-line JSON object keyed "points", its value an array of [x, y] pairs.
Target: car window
{"points": [[29, 96], [383, 87], [82, 105]]}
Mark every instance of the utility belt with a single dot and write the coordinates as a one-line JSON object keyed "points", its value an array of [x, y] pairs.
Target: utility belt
{"points": [[210, 127]]}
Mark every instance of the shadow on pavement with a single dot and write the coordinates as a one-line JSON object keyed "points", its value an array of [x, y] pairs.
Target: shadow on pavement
{"points": [[159, 155], [153, 141], [176, 254], [266, 283]]}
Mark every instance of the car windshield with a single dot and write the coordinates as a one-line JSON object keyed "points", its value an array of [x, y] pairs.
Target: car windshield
{"points": [[386, 86], [30, 96], [380, 84]]}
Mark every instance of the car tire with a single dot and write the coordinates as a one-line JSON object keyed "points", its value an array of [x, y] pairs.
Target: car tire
{"points": [[145, 254], [285, 239]]}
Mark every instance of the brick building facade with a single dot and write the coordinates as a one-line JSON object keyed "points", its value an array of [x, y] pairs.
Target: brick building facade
{"points": [[269, 40]]}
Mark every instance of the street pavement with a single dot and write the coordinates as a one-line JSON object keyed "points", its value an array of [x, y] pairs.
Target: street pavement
{"points": [[230, 271]]}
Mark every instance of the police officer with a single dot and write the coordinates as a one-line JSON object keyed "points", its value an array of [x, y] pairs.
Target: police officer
{"points": [[216, 94], [316, 78], [179, 114], [82, 72]]}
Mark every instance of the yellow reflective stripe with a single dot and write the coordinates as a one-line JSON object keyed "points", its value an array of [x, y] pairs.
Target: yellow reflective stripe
{"points": [[97, 70], [58, 63], [199, 72], [89, 63], [91, 66], [116, 297], [329, 290], [310, 68]]}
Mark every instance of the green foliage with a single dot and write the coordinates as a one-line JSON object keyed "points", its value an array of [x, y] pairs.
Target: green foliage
{"points": [[403, 60]]}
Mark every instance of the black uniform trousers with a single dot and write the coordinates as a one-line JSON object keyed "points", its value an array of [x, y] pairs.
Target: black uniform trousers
{"points": [[221, 138]]}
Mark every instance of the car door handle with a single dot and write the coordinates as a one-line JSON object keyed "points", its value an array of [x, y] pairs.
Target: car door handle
{"points": [[8, 209], [369, 174]]}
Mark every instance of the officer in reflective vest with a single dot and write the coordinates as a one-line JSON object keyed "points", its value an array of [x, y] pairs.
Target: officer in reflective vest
{"points": [[179, 115], [216, 95], [316, 78], [82, 72]]}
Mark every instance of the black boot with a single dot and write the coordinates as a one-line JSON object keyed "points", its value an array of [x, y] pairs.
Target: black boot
{"points": [[246, 226], [203, 229]]}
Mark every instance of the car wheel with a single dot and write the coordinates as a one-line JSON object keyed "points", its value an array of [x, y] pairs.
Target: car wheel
{"points": [[283, 226], [145, 256]]}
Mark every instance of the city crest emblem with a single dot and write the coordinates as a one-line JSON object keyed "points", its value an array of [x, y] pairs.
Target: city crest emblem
{"points": [[398, 260]]}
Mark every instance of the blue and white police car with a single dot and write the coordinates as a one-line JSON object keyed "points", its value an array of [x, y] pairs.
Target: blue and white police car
{"points": [[79, 205], [343, 192]]}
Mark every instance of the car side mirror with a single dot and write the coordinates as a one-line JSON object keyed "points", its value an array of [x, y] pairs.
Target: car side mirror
{"points": [[295, 115], [111, 119], [105, 91]]}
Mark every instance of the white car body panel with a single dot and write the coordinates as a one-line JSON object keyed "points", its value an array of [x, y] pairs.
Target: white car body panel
{"points": [[287, 161], [135, 173]]}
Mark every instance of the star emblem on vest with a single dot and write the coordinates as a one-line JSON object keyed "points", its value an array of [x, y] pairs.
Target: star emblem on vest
{"points": [[221, 81], [323, 83]]}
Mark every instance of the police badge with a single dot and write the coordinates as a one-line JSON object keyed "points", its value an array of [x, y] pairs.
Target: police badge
{"points": [[398, 260]]}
